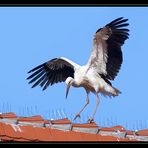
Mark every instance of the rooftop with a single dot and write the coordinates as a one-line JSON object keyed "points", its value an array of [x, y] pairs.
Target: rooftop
{"points": [[37, 129]]}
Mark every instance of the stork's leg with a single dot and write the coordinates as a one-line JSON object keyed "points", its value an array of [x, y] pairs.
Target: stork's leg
{"points": [[97, 104], [87, 102]]}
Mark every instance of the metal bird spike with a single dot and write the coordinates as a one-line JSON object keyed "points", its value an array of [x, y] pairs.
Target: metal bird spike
{"points": [[64, 113]]}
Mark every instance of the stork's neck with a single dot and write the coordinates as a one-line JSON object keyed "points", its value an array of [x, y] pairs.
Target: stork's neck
{"points": [[75, 83]]}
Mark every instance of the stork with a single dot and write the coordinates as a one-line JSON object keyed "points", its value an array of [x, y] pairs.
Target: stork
{"points": [[103, 65]]}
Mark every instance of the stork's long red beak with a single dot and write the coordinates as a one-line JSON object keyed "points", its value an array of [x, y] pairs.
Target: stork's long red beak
{"points": [[67, 89]]}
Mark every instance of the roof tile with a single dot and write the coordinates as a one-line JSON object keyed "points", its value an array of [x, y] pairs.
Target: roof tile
{"points": [[37, 118], [61, 121], [130, 132], [113, 129], [8, 115], [142, 132], [86, 125]]}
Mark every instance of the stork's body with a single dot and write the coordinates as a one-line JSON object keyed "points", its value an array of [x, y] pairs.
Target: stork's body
{"points": [[92, 82], [103, 65]]}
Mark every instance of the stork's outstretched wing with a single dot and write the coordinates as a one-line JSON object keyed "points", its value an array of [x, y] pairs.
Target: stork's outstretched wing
{"points": [[106, 56], [53, 71]]}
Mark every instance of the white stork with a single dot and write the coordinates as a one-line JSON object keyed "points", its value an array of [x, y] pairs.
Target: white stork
{"points": [[103, 65]]}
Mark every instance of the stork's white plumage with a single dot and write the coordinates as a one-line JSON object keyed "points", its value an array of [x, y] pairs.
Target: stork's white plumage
{"points": [[103, 65]]}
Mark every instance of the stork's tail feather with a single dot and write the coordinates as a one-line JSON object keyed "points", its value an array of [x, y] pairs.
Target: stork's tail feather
{"points": [[116, 91], [111, 91]]}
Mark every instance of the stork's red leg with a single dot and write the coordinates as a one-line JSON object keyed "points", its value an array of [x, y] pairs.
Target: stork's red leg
{"points": [[97, 104], [87, 102]]}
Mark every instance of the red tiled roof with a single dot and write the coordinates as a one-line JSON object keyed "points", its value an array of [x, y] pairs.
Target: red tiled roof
{"points": [[29, 133], [61, 130]]}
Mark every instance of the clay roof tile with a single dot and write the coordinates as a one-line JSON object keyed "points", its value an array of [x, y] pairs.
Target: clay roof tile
{"points": [[8, 115], [86, 125], [61, 121], [113, 129], [142, 132], [36, 118]]}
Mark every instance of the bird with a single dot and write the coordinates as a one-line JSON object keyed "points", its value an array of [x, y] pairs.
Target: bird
{"points": [[96, 75]]}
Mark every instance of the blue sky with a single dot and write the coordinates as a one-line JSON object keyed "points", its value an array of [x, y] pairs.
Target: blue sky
{"points": [[30, 36]]}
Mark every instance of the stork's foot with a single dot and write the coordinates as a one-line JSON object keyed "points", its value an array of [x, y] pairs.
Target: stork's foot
{"points": [[77, 116], [90, 120]]}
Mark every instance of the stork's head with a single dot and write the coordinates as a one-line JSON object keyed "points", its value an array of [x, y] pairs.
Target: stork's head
{"points": [[68, 81]]}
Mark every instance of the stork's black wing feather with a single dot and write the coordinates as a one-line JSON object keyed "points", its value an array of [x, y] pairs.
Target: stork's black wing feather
{"points": [[114, 42], [51, 72]]}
